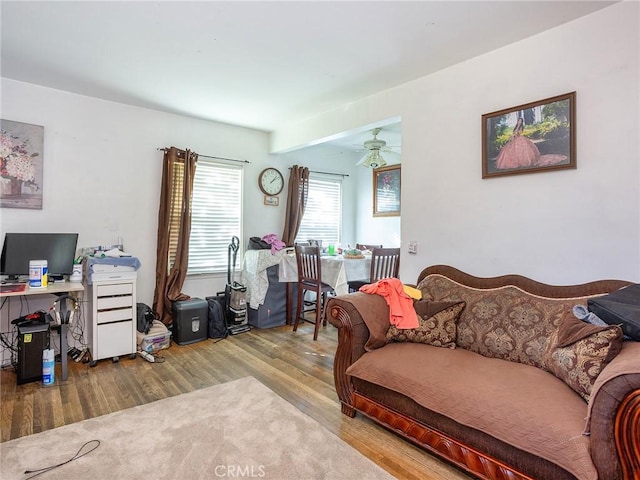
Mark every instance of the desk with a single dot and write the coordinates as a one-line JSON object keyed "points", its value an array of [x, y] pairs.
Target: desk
{"points": [[57, 288]]}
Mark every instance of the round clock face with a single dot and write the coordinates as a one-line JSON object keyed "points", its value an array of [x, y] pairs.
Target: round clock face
{"points": [[271, 181]]}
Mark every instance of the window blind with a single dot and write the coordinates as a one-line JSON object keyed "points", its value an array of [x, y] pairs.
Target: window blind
{"points": [[322, 218], [216, 215]]}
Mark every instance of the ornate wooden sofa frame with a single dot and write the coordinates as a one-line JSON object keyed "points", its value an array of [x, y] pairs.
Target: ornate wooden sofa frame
{"points": [[353, 334]]}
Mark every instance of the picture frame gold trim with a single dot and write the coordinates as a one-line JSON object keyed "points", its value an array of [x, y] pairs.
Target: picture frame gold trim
{"points": [[386, 191]]}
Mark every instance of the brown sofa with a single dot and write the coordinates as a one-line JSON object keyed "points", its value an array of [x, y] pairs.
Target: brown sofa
{"points": [[522, 394]]}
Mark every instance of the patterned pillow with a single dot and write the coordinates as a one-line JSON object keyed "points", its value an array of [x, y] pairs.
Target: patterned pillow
{"points": [[579, 351], [437, 324], [503, 322]]}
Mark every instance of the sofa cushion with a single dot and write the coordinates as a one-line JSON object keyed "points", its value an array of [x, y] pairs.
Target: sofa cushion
{"points": [[524, 462], [579, 351], [520, 405], [437, 324], [503, 322]]}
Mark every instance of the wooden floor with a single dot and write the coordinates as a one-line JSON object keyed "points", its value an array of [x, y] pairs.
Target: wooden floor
{"points": [[292, 365]]}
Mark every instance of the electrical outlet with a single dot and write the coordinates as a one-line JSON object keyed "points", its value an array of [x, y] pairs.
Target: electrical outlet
{"points": [[413, 246]]}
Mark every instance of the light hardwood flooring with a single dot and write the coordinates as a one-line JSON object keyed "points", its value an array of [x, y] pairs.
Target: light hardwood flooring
{"points": [[290, 364]]}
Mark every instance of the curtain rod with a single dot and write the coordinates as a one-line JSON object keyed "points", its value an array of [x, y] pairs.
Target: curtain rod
{"points": [[209, 156], [328, 173]]}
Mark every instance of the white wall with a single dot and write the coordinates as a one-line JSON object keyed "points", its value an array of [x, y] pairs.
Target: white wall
{"points": [[370, 229], [102, 174], [102, 171], [334, 164], [566, 226], [359, 225]]}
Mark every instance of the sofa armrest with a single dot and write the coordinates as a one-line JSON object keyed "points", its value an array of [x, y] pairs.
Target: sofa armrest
{"points": [[614, 410], [345, 312]]}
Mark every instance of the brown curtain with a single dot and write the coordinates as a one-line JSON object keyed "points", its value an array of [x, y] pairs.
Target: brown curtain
{"points": [[174, 228], [296, 203]]}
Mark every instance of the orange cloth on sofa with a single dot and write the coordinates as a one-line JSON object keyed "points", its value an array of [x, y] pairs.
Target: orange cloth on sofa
{"points": [[401, 311]]}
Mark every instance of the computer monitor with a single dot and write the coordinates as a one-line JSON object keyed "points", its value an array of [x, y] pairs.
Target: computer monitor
{"points": [[58, 249]]}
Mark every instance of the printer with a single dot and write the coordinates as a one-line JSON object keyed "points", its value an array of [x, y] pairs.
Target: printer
{"points": [[110, 268]]}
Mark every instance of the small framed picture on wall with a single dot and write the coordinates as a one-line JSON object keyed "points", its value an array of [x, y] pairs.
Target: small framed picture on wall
{"points": [[271, 200], [386, 191]]}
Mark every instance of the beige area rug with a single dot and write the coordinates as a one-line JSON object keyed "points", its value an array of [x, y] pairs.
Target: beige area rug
{"points": [[239, 429]]}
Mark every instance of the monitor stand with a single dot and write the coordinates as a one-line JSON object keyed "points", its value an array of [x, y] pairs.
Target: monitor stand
{"points": [[56, 278], [13, 279]]}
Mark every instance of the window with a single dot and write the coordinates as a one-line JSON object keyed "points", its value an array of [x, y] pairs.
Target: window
{"points": [[323, 215], [216, 215]]}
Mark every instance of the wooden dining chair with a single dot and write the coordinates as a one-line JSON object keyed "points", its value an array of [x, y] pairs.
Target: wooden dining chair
{"points": [[310, 279], [366, 246], [385, 263]]}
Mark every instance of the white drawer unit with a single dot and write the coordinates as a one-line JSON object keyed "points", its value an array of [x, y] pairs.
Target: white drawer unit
{"points": [[111, 330]]}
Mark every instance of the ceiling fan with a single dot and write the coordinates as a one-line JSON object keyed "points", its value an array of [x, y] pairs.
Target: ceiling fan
{"points": [[372, 158]]}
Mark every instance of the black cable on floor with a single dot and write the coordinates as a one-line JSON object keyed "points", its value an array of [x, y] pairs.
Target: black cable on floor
{"points": [[76, 456]]}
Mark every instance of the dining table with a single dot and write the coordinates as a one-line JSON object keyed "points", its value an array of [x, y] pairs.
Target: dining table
{"points": [[336, 271]]}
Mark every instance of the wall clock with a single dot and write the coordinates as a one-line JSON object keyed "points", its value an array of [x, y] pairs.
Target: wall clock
{"points": [[271, 181]]}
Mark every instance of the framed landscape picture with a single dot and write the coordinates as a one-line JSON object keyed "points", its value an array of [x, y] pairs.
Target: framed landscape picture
{"points": [[534, 137], [386, 191]]}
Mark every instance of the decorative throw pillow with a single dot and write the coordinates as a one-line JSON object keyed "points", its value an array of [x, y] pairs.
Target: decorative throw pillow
{"points": [[580, 351], [437, 324]]}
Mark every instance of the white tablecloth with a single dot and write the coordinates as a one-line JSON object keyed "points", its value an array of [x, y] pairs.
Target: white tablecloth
{"points": [[336, 270], [254, 274]]}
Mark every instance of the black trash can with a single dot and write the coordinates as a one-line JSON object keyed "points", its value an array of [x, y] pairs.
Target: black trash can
{"points": [[190, 321]]}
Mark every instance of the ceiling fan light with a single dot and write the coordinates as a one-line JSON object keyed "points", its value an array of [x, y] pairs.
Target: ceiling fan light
{"points": [[374, 160]]}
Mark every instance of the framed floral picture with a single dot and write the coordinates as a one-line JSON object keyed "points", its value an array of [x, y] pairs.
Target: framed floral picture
{"points": [[534, 137], [21, 147], [386, 191]]}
